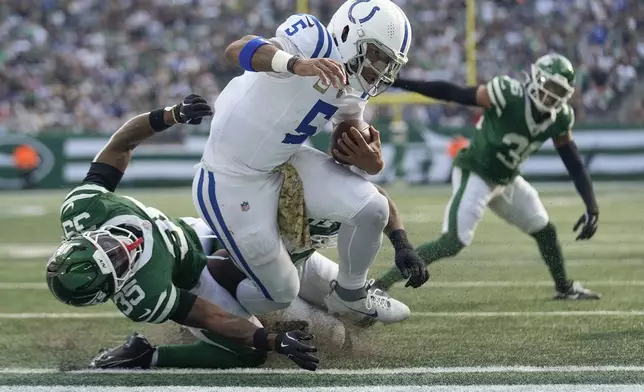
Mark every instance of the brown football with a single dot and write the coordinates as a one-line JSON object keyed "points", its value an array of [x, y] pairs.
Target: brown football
{"points": [[345, 127]]}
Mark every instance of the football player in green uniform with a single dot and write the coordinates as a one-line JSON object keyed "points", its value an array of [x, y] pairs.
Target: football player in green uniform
{"points": [[154, 267], [154, 283], [517, 119]]}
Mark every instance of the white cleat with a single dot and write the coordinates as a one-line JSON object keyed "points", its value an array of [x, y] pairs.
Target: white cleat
{"points": [[378, 306]]}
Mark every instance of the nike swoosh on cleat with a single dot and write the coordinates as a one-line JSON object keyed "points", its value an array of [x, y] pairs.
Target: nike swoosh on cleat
{"points": [[374, 314]]}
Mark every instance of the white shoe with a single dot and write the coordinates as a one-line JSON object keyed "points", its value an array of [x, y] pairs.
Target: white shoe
{"points": [[378, 305]]}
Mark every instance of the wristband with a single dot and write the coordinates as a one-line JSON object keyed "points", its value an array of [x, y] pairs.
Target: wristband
{"points": [[156, 120], [291, 63], [260, 340], [399, 239], [248, 51], [280, 61]]}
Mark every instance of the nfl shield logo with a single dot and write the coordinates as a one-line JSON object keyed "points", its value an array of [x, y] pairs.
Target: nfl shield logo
{"points": [[244, 206]]}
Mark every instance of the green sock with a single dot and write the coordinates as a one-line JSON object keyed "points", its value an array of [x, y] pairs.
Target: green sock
{"points": [[446, 246], [204, 355], [550, 250]]}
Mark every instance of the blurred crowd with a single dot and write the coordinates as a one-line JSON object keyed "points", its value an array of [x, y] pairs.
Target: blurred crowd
{"points": [[87, 65]]}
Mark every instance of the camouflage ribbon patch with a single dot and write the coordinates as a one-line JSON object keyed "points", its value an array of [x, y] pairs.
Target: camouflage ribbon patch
{"points": [[291, 212]]}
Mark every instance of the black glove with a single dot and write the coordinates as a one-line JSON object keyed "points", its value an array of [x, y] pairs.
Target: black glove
{"points": [[191, 110], [290, 344], [589, 220], [411, 266]]}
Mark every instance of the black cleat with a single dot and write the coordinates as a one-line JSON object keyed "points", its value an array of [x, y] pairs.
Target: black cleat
{"points": [[136, 352]]}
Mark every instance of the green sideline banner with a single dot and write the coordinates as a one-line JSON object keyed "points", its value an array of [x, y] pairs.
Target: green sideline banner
{"points": [[414, 153]]}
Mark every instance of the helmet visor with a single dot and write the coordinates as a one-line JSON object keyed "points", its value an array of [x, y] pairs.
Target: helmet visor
{"points": [[115, 251]]}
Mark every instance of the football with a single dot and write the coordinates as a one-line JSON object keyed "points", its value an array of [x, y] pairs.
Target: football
{"points": [[344, 127]]}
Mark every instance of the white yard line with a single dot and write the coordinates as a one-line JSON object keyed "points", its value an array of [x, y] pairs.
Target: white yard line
{"points": [[348, 372], [380, 388], [564, 313], [43, 316]]}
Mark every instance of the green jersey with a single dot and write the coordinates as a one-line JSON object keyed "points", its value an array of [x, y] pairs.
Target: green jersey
{"points": [[509, 132], [172, 258]]}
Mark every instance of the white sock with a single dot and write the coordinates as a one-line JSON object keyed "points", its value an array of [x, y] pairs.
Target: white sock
{"points": [[359, 243]]}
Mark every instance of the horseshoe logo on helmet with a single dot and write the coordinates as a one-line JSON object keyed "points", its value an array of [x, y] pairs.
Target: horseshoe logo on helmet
{"points": [[352, 19]]}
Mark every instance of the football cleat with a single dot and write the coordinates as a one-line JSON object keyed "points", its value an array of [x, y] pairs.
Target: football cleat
{"points": [[136, 352], [576, 292], [377, 305]]}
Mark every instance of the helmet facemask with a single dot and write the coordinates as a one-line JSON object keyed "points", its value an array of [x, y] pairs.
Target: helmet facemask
{"points": [[117, 249], [374, 68], [549, 91]]}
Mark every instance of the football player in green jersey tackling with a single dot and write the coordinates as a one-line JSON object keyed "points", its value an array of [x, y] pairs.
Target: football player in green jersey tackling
{"points": [[518, 118], [153, 267]]}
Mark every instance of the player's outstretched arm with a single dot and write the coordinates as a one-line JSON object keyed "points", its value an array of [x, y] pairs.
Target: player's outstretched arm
{"points": [[569, 153], [407, 260], [118, 151], [208, 316], [447, 91], [256, 54]]}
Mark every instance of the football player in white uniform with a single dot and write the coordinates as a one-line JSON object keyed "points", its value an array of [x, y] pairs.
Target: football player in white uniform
{"points": [[294, 84]]}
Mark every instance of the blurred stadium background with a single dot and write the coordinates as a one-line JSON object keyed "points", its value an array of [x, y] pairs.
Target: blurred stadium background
{"points": [[72, 71]]}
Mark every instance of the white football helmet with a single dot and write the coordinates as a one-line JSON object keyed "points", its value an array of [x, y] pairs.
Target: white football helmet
{"points": [[373, 38]]}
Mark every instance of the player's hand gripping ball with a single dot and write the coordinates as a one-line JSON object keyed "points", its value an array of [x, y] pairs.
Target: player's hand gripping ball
{"points": [[355, 142]]}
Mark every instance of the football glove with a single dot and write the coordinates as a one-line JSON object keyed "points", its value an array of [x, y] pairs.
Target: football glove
{"points": [[588, 223], [291, 345], [407, 260], [411, 267], [191, 110]]}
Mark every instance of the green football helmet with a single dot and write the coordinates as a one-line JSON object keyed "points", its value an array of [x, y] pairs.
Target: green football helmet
{"points": [[552, 82], [89, 268]]}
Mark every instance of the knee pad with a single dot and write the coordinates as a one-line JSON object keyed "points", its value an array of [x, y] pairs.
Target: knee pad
{"points": [[375, 213], [284, 291]]}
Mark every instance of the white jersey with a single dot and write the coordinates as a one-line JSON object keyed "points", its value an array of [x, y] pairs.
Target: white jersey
{"points": [[261, 119]]}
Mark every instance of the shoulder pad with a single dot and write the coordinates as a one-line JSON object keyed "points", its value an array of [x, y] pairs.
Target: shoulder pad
{"points": [[306, 32], [80, 212], [567, 117], [502, 90]]}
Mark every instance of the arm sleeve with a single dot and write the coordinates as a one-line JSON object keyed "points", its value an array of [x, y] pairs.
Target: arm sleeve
{"points": [[186, 300], [444, 91], [104, 175], [572, 160]]}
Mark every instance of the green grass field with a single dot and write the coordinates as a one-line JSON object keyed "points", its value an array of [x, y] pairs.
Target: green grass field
{"points": [[481, 316]]}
